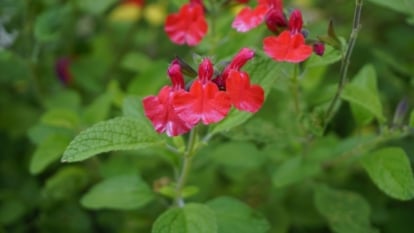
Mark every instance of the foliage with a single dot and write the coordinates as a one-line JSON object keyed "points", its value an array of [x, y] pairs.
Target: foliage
{"points": [[329, 151]]}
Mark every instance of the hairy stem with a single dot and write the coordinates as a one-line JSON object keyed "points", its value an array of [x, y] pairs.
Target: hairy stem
{"points": [[345, 62], [185, 170]]}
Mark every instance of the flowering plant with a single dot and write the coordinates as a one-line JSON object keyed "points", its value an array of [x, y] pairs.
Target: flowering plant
{"points": [[213, 116]]}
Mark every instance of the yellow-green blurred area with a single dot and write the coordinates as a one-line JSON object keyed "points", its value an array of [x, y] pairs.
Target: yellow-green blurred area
{"points": [[66, 65]]}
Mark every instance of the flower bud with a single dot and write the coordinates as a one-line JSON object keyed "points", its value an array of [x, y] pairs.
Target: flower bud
{"points": [[295, 22], [176, 76], [319, 48], [275, 20]]}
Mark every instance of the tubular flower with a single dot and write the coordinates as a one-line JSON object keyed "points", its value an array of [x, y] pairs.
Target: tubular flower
{"points": [[244, 96], [159, 109], [289, 45], [249, 18], [188, 26], [204, 101]]}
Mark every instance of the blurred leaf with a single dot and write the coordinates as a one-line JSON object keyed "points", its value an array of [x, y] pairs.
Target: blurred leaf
{"points": [[411, 122], [48, 151], [61, 117], [241, 155], [48, 24], [98, 110], [123, 192], [346, 212], [95, 7], [65, 183], [294, 170], [403, 6], [362, 116], [12, 68], [362, 91], [263, 71], [235, 216], [132, 107], [121, 133], [40, 132], [11, 210], [390, 170], [189, 219], [67, 99]]}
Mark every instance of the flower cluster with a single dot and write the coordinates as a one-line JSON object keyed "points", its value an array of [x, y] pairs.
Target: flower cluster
{"points": [[176, 110], [289, 42], [189, 25]]}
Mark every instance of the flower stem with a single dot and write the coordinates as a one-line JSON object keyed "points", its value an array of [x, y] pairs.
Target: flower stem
{"points": [[345, 62], [295, 89], [186, 166]]}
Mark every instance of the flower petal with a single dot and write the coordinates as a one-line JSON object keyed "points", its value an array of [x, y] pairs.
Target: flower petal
{"points": [[244, 96], [249, 18], [287, 47]]}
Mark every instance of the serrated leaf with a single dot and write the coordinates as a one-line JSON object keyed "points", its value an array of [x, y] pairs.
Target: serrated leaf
{"points": [[235, 216], [121, 133], [345, 211], [48, 151], [123, 192], [294, 170], [192, 218], [362, 91], [263, 71], [390, 170]]}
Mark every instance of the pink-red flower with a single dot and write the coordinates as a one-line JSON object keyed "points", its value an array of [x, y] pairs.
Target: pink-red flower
{"points": [[249, 18], [159, 109], [204, 101], [176, 111], [188, 26], [289, 45]]}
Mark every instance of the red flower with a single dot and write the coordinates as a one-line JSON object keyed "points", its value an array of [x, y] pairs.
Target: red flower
{"points": [[244, 96], [204, 102], [188, 26], [249, 18], [290, 45], [159, 109]]}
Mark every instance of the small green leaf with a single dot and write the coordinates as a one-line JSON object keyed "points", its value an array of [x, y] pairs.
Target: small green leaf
{"points": [[240, 155], [346, 212], [98, 110], [294, 170], [263, 71], [330, 56], [192, 218], [65, 183], [47, 24], [390, 170], [61, 117], [235, 216], [121, 133], [95, 7], [123, 192], [362, 91], [48, 151]]}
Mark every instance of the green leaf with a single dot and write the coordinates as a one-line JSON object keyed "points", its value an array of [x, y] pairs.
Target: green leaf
{"points": [[403, 6], [48, 152], [241, 155], [122, 133], [411, 121], [65, 183], [390, 170], [98, 110], [95, 7], [235, 216], [362, 91], [123, 192], [48, 24], [12, 68], [294, 170], [330, 56], [61, 117], [192, 218], [263, 71], [346, 212]]}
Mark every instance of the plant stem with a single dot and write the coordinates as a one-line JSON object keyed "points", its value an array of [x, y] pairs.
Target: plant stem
{"points": [[295, 89], [187, 159], [345, 62]]}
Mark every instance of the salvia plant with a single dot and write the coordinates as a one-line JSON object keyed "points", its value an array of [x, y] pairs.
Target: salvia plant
{"points": [[214, 116]]}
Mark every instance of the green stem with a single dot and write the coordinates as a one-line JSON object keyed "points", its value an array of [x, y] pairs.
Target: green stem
{"points": [[295, 90], [345, 62], [185, 170]]}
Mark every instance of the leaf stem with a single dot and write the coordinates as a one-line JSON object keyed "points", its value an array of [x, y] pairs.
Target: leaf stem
{"points": [[343, 73], [186, 166], [295, 89]]}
